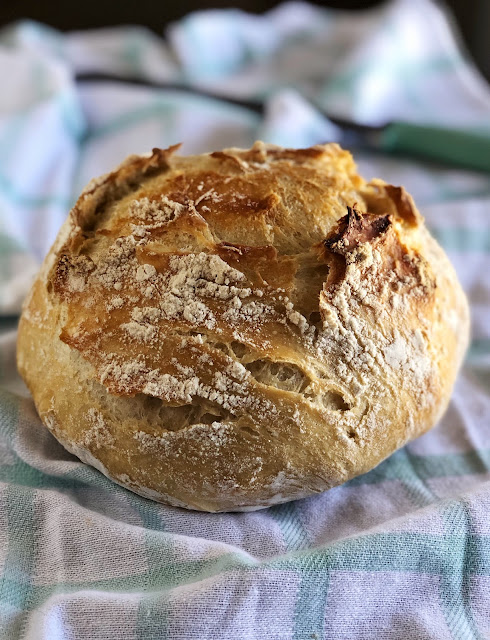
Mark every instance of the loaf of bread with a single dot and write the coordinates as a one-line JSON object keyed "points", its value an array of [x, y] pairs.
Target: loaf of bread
{"points": [[229, 331]]}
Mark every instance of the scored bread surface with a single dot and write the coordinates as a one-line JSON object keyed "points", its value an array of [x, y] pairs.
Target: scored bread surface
{"points": [[242, 328]]}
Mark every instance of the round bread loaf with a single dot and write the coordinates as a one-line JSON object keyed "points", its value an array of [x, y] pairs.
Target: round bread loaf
{"points": [[234, 330]]}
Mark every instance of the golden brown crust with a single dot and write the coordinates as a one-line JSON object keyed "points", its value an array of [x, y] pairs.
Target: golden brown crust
{"points": [[228, 331]]}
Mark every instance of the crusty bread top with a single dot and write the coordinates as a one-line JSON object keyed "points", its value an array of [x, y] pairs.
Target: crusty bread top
{"points": [[165, 248], [260, 302]]}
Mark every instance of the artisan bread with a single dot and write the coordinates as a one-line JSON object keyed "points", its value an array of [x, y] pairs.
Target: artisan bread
{"points": [[229, 331]]}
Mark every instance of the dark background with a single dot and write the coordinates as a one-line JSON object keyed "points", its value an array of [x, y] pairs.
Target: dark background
{"points": [[472, 16]]}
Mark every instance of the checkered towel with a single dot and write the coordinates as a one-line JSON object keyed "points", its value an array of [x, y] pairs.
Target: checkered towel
{"points": [[400, 553]]}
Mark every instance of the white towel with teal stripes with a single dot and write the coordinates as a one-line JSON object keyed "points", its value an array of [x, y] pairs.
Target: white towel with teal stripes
{"points": [[401, 552]]}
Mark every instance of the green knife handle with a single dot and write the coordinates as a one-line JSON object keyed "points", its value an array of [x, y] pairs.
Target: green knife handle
{"points": [[450, 146]]}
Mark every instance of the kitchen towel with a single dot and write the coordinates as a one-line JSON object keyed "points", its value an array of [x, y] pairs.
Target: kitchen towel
{"points": [[400, 552]]}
